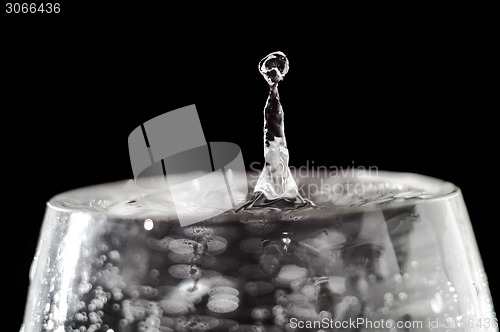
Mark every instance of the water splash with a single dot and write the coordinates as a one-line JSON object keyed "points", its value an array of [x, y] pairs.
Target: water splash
{"points": [[276, 186]]}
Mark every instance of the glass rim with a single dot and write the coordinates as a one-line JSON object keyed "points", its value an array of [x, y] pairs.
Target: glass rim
{"points": [[434, 188]]}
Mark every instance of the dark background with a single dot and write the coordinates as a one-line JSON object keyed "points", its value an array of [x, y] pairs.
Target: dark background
{"points": [[400, 92]]}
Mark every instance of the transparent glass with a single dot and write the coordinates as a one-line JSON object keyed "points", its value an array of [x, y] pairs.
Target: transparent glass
{"points": [[391, 252]]}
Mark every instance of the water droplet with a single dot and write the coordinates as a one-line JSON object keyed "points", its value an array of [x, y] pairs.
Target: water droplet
{"points": [[275, 185], [286, 240]]}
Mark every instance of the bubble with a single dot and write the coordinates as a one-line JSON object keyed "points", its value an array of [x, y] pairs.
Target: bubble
{"points": [[183, 246], [102, 247], [159, 244], [308, 290], [224, 281], [403, 296], [154, 273], [198, 231], [117, 294], [348, 307], [280, 320], [325, 315], [148, 291], [337, 285], [225, 297], [279, 310], [84, 288], [152, 321], [93, 318], [181, 258], [222, 305], [174, 307], [289, 273], [303, 312], [260, 313], [183, 271], [281, 296], [216, 245], [223, 290]]}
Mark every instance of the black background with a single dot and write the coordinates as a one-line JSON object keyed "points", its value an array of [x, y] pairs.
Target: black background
{"points": [[398, 91]]}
